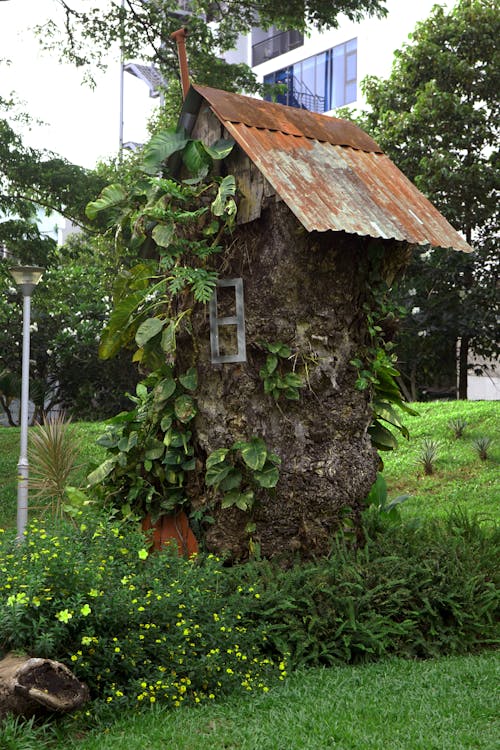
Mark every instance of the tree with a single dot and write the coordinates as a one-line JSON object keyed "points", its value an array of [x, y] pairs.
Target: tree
{"points": [[144, 28], [437, 117], [69, 310]]}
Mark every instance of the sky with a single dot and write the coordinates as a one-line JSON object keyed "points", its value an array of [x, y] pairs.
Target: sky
{"points": [[81, 124]]}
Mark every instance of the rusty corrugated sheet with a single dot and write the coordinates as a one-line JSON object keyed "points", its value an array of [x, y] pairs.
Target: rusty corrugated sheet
{"points": [[330, 173]]}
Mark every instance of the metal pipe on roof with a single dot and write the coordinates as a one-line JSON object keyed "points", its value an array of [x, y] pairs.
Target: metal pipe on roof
{"points": [[180, 38]]}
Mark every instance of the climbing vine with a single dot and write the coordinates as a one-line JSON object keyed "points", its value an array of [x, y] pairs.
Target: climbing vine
{"points": [[376, 363]]}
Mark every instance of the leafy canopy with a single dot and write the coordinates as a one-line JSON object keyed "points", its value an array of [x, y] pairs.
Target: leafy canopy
{"points": [[143, 29], [437, 117]]}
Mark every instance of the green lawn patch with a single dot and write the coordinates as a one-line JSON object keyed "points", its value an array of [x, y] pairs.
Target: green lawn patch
{"points": [[443, 704], [461, 479]]}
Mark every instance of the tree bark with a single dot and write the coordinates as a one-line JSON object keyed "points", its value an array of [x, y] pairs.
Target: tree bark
{"points": [[305, 290], [31, 686], [463, 370]]}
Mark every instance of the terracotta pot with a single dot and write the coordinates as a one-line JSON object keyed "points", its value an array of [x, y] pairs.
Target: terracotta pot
{"points": [[175, 526]]}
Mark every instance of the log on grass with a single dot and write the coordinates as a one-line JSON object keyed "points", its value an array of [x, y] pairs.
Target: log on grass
{"points": [[33, 686]]}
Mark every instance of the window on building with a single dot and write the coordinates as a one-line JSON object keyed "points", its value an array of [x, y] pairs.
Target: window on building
{"points": [[321, 82], [273, 42]]}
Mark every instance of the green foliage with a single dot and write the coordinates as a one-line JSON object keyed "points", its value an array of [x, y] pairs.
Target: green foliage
{"points": [[437, 117], [142, 30], [482, 445], [277, 381], [240, 470], [142, 629], [376, 362], [414, 592], [149, 449], [69, 308], [176, 226], [137, 629], [378, 500], [53, 455], [458, 425], [427, 456]]}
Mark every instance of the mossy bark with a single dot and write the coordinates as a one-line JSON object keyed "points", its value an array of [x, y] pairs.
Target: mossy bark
{"points": [[307, 291]]}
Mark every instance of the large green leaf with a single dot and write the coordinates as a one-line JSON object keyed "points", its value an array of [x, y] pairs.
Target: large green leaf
{"points": [[216, 457], [381, 437], [185, 408], [163, 234], [220, 149], [254, 453], [190, 379], [268, 477], [223, 203], [110, 197], [160, 147], [115, 332], [102, 471], [217, 473], [148, 330], [196, 158]]}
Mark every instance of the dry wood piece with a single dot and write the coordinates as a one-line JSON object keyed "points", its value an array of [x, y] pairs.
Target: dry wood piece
{"points": [[31, 686]]}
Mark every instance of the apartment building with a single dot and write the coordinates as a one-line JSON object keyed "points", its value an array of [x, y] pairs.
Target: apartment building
{"points": [[321, 71]]}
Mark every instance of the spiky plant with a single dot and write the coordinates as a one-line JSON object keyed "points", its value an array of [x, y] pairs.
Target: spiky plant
{"points": [[482, 445], [428, 454], [458, 425], [53, 456]]}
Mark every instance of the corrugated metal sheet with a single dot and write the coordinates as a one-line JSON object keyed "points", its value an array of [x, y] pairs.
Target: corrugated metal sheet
{"points": [[329, 172]]}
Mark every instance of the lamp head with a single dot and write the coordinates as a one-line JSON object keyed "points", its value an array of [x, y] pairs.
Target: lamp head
{"points": [[26, 277]]}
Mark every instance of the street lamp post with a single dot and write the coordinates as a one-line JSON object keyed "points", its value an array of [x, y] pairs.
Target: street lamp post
{"points": [[26, 277]]}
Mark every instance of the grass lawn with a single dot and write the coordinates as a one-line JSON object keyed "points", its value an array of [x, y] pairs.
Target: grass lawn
{"points": [[443, 704], [460, 478]]}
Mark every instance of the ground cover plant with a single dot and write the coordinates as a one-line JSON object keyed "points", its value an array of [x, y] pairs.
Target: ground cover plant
{"points": [[420, 589]]}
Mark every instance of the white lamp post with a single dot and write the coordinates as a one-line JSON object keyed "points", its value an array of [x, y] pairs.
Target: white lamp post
{"points": [[26, 277]]}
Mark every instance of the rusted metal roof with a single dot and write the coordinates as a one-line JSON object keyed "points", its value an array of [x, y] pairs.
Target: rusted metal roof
{"points": [[330, 173]]}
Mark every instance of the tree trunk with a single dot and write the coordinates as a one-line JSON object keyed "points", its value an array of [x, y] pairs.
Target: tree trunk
{"points": [[306, 291], [463, 370], [30, 686]]}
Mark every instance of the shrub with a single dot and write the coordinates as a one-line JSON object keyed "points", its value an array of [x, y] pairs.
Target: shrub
{"points": [[457, 425], [134, 628], [53, 459], [427, 456], [142, 629], [482, 445]]}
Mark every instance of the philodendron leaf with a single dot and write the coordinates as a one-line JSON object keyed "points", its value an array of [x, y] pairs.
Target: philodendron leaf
{"points": [[160, 147], [110, 197], [101, 472], [196, 158], [190, 379], [148, 330], [216, 457], [223, 203], [220, 149], [163, 233], [254, 453], [381, 437], [185, 408], [268, 477]]}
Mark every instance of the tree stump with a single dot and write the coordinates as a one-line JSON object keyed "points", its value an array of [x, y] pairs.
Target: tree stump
{"points": [[32, 686]]}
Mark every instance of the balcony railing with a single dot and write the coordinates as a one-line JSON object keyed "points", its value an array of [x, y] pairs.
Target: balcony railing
{"points": [[276, 45]]}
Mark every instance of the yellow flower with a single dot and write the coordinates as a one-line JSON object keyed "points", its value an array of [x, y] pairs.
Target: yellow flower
{"points": [[64, 615], [143, 554]]}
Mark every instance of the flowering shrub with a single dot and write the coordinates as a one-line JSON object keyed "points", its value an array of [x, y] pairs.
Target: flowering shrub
{"points": [[135, 628]]}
